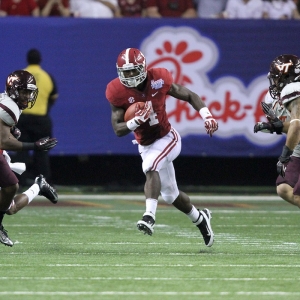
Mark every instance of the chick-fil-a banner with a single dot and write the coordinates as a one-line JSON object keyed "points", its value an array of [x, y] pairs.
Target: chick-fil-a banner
{"points": [[224, 61]]}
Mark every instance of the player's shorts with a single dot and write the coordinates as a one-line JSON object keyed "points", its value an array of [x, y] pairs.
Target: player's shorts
{"points": [[292, 175], [7, 176], [159, 157]]}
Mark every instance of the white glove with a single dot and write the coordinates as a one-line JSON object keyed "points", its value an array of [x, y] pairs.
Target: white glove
{"points": [[210, 124], [141, 116]]}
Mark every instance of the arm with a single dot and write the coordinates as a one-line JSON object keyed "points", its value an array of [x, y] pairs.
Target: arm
{"points": [[180, 92], [293, 135], [121, 127], [286, 126], [36, 12], [183, 93], [189, 13], [64, 11], [7, 140], [152, 12], [117, 120]]}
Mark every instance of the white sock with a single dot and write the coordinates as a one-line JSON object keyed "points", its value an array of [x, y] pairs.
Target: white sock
{"points": [[195, 216], [151, 205], [32, 192]]}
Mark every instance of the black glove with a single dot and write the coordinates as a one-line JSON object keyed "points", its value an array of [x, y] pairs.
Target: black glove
{"points": [[45, 144], [284, 158], [16, 132], [276, 124], [265, 127]]}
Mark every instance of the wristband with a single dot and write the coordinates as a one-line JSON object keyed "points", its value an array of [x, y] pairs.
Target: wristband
{"points": [[204, 113], [132, 125], [28, 146]]}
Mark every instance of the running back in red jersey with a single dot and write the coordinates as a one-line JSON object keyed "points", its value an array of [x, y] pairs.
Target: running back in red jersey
{"points": [[130, 112]]}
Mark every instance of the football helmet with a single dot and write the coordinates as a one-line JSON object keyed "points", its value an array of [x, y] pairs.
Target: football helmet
{"points": [[284, 69], [21, 87], [131, 59]]}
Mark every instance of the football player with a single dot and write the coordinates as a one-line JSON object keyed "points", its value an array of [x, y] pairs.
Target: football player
{"points": [[284, 77], [20, 93], [158, 142]]}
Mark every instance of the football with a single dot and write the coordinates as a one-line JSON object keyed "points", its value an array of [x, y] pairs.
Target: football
{"points": [[130, 112]]}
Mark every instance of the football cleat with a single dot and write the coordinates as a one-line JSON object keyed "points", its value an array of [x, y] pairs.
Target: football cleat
{"points": [[205, 227], [146, 224], [4, 239], [46, 189]]}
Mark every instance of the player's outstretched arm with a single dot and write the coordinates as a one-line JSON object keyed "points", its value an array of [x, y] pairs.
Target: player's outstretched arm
{"points": [[180, 92]]}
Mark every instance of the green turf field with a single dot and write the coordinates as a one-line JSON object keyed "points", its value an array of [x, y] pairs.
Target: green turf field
{"points": [[89, 248]]}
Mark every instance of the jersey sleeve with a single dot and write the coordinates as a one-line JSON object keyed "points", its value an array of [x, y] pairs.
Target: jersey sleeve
{"points": [[114, 94], [9, 110]]}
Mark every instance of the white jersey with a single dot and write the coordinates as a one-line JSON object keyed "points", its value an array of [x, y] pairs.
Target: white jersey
{"points": [[280, 111], [290, 92], [9, 110]]}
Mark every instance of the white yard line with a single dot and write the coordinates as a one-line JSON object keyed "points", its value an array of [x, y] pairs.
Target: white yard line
{"points": [[141, 197]]}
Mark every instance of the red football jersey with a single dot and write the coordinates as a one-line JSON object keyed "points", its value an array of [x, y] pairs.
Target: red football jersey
{"points": [[18, 8], [158, 83], [171, 8]]}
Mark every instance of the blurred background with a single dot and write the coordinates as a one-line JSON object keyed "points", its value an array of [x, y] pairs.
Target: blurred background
{"points": [[225, 61]]}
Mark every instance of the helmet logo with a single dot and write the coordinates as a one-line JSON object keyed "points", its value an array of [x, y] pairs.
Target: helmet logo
{"points": [[284, 68], [11, 79]]}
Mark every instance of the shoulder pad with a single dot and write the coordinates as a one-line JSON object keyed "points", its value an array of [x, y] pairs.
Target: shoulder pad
{"points": [[290, 92], [9, 110]]}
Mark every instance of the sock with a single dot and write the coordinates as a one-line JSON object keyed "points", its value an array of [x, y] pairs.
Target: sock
{"points": [[151, 205], [32, 192], [195, 216]]}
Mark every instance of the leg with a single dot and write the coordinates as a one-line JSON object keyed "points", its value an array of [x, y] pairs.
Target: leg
{"points": [[156, 157], [19, 202], [40, 187], [182, 202], [296, 193], [152, 185], [151, 190], [288, 188], [285, 191], [199, 218], [6, 196]]}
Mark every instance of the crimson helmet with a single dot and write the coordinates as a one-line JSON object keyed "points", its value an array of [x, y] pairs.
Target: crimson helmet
{"points": [[284, 69], [131, 59], [21, 80]]}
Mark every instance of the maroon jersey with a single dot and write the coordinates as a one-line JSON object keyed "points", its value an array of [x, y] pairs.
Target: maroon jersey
{"points": [[171, 8], [18, 8], [158, 83], [133, 9]]}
